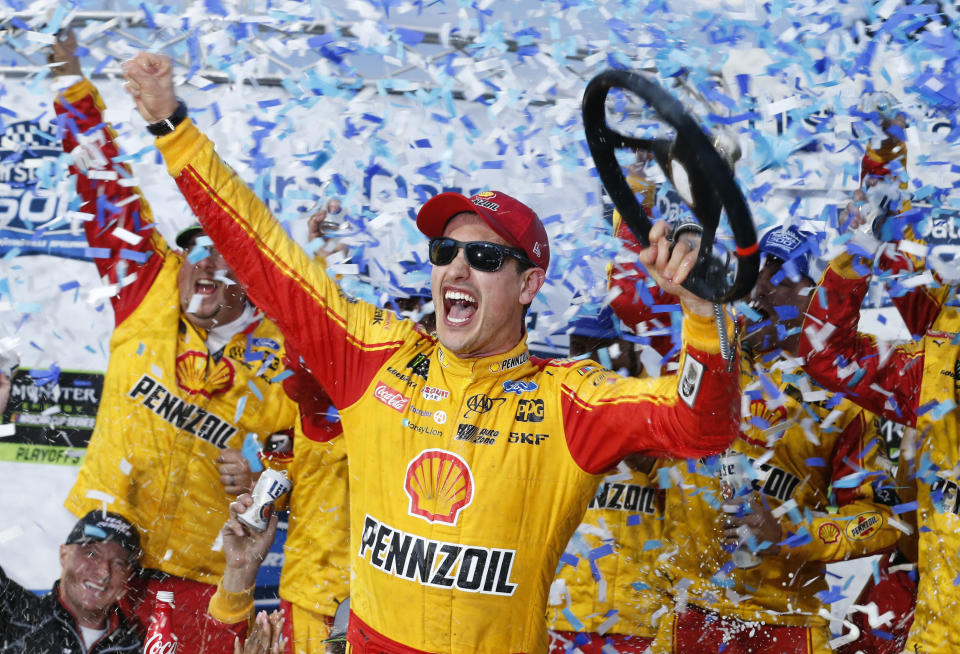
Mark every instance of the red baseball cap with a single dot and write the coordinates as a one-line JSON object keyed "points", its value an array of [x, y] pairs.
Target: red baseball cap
{"points": [[514, 221]]}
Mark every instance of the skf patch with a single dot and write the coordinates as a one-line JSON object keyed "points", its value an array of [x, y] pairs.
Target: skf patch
{"points": [[527, 438]]}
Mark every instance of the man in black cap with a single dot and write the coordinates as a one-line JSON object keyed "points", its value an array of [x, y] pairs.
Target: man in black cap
{"points": [[81, 614]]}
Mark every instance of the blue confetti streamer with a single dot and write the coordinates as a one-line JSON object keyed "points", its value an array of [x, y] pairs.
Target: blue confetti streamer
{"points": [[135, 255], [251, 451]]}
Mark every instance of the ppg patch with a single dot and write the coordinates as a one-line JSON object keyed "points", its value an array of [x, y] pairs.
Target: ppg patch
{"points": [[690, 380]]}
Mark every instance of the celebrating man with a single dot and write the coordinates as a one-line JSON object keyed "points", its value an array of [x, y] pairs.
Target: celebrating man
{"points": [[470, 462], [750, 533], [81, 613], [914, 384], [192, 378]]}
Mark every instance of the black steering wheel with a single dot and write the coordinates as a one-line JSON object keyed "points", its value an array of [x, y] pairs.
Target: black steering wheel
{"points": [[694, 167]]}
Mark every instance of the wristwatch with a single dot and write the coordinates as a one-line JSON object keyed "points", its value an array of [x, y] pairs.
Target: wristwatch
{"points": [[167, 125]]}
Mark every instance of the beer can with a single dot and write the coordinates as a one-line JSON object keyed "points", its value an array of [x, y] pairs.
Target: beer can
{"points": [[270, 487], [735, 482]]}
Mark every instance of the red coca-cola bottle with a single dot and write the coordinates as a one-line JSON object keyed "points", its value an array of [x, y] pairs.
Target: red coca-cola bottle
{"points": [[160, 637]]}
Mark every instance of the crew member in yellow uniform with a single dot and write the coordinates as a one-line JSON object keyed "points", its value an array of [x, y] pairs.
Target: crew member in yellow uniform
{"points": [[607, 592], [883, 204], [470, 462], [193, 370], [767, 497], [914, 384], [315, 575]]}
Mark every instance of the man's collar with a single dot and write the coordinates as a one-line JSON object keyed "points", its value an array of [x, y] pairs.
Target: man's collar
{"points": [[513, 362]]}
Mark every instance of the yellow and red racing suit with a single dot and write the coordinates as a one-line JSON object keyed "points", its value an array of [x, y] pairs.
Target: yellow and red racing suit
{"points": [[467, 476], [168, 407], [876, 162], [315, 575], [799, 441], [915, 384], [607, 583]]}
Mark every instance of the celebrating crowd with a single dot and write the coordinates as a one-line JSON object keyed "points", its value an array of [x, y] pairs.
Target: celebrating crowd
{"points": [[465, 496]]}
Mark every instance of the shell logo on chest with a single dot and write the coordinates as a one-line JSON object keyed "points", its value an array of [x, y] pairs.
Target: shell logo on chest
{"points": [[439, 485], [759, 409], [192, 374]]}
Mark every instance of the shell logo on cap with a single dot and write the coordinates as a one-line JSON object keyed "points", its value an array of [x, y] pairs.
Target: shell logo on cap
{"points": [[192, 374], [439, 485], [482, 199]]}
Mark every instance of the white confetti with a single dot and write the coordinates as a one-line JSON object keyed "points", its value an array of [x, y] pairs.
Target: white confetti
{"points": [[195, 301], [11, 533], [107, 175], [100, 293], [100, 496], [126, 236], [39, 37]]}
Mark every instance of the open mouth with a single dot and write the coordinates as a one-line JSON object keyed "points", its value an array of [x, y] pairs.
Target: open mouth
{"points": [[204, 287], [97, 588], [458, 307]]}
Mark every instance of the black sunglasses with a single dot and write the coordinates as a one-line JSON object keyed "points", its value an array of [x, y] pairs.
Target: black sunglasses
{"points": [[482, 255]]}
